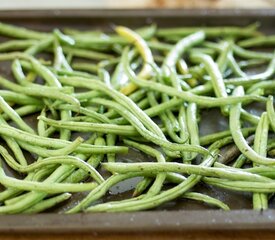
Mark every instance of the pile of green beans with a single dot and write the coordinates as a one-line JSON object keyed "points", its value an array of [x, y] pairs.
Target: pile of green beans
{"points": [[77, 106]]}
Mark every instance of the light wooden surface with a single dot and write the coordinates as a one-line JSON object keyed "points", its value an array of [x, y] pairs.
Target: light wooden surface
{"points": [[78, 4]]}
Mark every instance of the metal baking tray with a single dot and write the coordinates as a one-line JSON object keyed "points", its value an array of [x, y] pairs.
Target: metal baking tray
{"points": [[176, 216]]}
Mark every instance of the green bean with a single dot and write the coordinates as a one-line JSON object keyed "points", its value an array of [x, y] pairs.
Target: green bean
{"points": [[206, 199], [261, 85], [14, 146], [108, 63], [176, 52], [153, 168], [236, 68], [209, 139], [249, 117], [18, 72], [16, 199], [244, 186], [270, 112], [95, 160], [19, 98], [74, 73], [243, 53], [142, 186], [51, 153], [251, 63], [16, 45], [88, 112], [63, 38], [212, 45], [41, 126], [155, 110], [83, 66], [184, 133], [192, 126], [118, 78], [48, 203], [85, 96], [59, 59], [111, 140], [234, 116], [223, 58], [94, 127], [143, 104], [39, 46], [240, 161], [215, 75], [45, 73], [260, 201], [202, 89], [182, 67], [159, 45], [20, 32], [58, 54], [87, 54], [254, 78], [14, 116], [145, 52], [210, 32], [208, 51], [258, 41]]}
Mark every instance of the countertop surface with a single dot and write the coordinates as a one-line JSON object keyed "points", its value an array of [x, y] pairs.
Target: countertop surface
{"points": [[80, 4]]}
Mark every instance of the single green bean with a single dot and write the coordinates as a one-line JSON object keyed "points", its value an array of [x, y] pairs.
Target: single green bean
{"points": [[192, 126], [154, 168], [271, 112], [48, 203], [211, 32], [260, 41], [20, 32], [247, 54], [124, 130], [260, 201]]}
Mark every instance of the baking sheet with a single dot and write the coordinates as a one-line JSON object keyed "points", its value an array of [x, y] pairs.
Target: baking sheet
{"points": [[176, 215]]}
